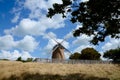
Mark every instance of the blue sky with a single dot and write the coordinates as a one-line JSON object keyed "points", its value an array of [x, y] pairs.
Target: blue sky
{"points": [[24, 30]]}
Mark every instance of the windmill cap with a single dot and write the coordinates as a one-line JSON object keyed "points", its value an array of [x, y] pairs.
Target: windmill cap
{"points": [[58, 45]]}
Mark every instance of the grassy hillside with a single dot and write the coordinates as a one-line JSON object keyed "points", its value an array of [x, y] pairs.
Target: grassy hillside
{"points": [[12, 70]]}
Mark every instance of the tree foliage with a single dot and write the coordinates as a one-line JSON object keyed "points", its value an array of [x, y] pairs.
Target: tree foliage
{"points": [[75, 56], [90, 54], [86, 54], [113, 54], [100, 18], [27, 60], [19, 59]]}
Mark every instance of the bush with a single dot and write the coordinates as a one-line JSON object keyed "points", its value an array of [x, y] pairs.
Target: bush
{"points": [[113, 54], [90, 54], [75, 56], [28, 59], [19, 59]]}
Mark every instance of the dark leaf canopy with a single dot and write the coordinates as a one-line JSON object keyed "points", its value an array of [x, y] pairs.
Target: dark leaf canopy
{"points": [[76, 55], [113, 54], [90, 54], [86, 54], [100, 18]]}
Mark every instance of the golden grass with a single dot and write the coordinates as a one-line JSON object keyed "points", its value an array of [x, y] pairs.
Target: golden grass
{"points": [[10, 68]]}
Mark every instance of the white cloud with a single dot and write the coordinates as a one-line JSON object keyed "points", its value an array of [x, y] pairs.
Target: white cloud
{"points": [[37, 22], [50, 36], [67, 54], [69, 35], [32, 27], [26, 26], [14, 55], [78, 26], [82, 42], [84, 0], [6, 42], [17, 10], [81, 47], [25, 55], [50, 2], [15, 19], [28, 43], [112, 44], [37, 6]]}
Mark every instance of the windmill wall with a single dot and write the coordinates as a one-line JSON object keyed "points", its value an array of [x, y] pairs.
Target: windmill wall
{"points": [[58, 54]]}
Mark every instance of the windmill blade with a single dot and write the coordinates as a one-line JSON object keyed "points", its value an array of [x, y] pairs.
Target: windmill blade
{"points": [[63, 40], [67, 50], [52, 38]]}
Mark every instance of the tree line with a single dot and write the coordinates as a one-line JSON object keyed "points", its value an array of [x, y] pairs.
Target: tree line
{"points": [[27, 60], [88, 54], [92, 54]]}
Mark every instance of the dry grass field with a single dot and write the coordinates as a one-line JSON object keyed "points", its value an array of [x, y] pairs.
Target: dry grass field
{"points": [[12, 70]]}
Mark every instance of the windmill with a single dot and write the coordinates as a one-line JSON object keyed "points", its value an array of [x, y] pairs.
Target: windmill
{"points": [[58, 50]]}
